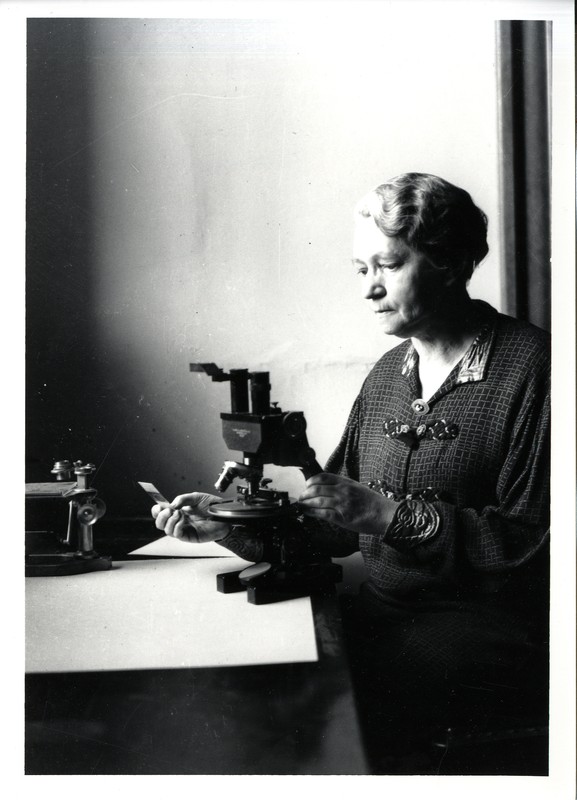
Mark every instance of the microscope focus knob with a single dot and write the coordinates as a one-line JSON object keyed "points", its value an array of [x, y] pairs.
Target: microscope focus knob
{"points": [[89, 513], [294, 424]]}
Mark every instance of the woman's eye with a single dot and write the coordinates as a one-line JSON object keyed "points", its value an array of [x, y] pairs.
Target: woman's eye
{"points": [[362, 271]]}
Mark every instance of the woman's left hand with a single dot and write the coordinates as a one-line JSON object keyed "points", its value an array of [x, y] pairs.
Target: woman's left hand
{"points": [[347, 503]]}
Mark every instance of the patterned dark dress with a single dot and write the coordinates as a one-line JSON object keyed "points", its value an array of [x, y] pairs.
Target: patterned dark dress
{"points": [[473, 596]]}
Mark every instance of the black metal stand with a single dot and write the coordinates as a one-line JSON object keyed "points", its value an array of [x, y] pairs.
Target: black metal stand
{"points": [[270, 583]]}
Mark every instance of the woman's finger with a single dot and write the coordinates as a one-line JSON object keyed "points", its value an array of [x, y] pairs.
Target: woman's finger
{"points": [[163, 515], [171, 522], [317, 501], [184, 530], [157, 508], [325, 514], [191, 499], [323, 490], [324, 478]]}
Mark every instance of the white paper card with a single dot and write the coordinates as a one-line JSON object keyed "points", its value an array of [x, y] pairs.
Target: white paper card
{"points": [[159, 615], [169, 546]]}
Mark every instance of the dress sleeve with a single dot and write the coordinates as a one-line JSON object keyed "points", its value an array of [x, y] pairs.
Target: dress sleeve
{"points": [[328, 539], [345, 458], [507, 534]]}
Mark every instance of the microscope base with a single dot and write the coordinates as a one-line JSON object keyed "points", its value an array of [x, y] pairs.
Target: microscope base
{"points": [[64, 564], [266, 583]]}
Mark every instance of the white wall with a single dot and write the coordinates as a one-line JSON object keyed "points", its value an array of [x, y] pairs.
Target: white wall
{"points": [[225, 160]]}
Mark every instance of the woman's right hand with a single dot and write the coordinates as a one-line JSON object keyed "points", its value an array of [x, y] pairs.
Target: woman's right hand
{"points": [[186, 518]]}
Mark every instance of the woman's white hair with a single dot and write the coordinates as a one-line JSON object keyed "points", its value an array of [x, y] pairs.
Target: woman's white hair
{"points": [[432, 216]]}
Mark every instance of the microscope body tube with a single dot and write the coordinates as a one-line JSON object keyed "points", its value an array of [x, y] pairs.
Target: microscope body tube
{"points": [[260, 392], [239, 391]]}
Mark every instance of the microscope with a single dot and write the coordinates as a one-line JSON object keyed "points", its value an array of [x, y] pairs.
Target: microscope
{"points": [[84, 510], [265, 434]]}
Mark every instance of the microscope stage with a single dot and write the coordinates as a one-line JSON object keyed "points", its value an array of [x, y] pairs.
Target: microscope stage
{"points": [[239, 511]]}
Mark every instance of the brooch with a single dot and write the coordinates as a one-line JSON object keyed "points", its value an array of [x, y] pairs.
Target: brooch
{"points": [[440, 430]]}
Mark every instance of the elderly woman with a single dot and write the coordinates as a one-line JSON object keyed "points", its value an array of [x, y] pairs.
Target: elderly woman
{"points": [[441, 476]]}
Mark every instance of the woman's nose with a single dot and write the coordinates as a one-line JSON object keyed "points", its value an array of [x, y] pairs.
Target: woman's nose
{"points": [[373, 286]]}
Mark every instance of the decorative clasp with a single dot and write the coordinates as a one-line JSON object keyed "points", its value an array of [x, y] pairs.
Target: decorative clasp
{"points": [[440, 430]]}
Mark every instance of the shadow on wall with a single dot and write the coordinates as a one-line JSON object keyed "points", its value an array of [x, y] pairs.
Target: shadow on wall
{"points": [[62, 354], [92, 394]]}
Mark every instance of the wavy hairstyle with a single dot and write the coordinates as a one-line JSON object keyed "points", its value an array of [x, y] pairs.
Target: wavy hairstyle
{"points": [[432, 216]]}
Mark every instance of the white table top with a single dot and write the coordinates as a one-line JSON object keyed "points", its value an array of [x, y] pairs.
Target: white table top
{"points": [[153, 614]]}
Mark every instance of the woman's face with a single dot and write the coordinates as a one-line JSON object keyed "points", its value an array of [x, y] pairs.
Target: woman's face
{"points": [[400, 284]]}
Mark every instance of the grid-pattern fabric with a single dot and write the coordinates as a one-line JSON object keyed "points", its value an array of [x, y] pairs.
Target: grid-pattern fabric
{"points": [[493, 476]]}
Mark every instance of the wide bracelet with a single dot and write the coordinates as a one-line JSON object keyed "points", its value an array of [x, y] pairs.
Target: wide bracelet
{"points": [[415, 521]]}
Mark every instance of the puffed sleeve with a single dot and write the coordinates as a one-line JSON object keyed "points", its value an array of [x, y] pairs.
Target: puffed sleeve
{"points": [[345, 458]]}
